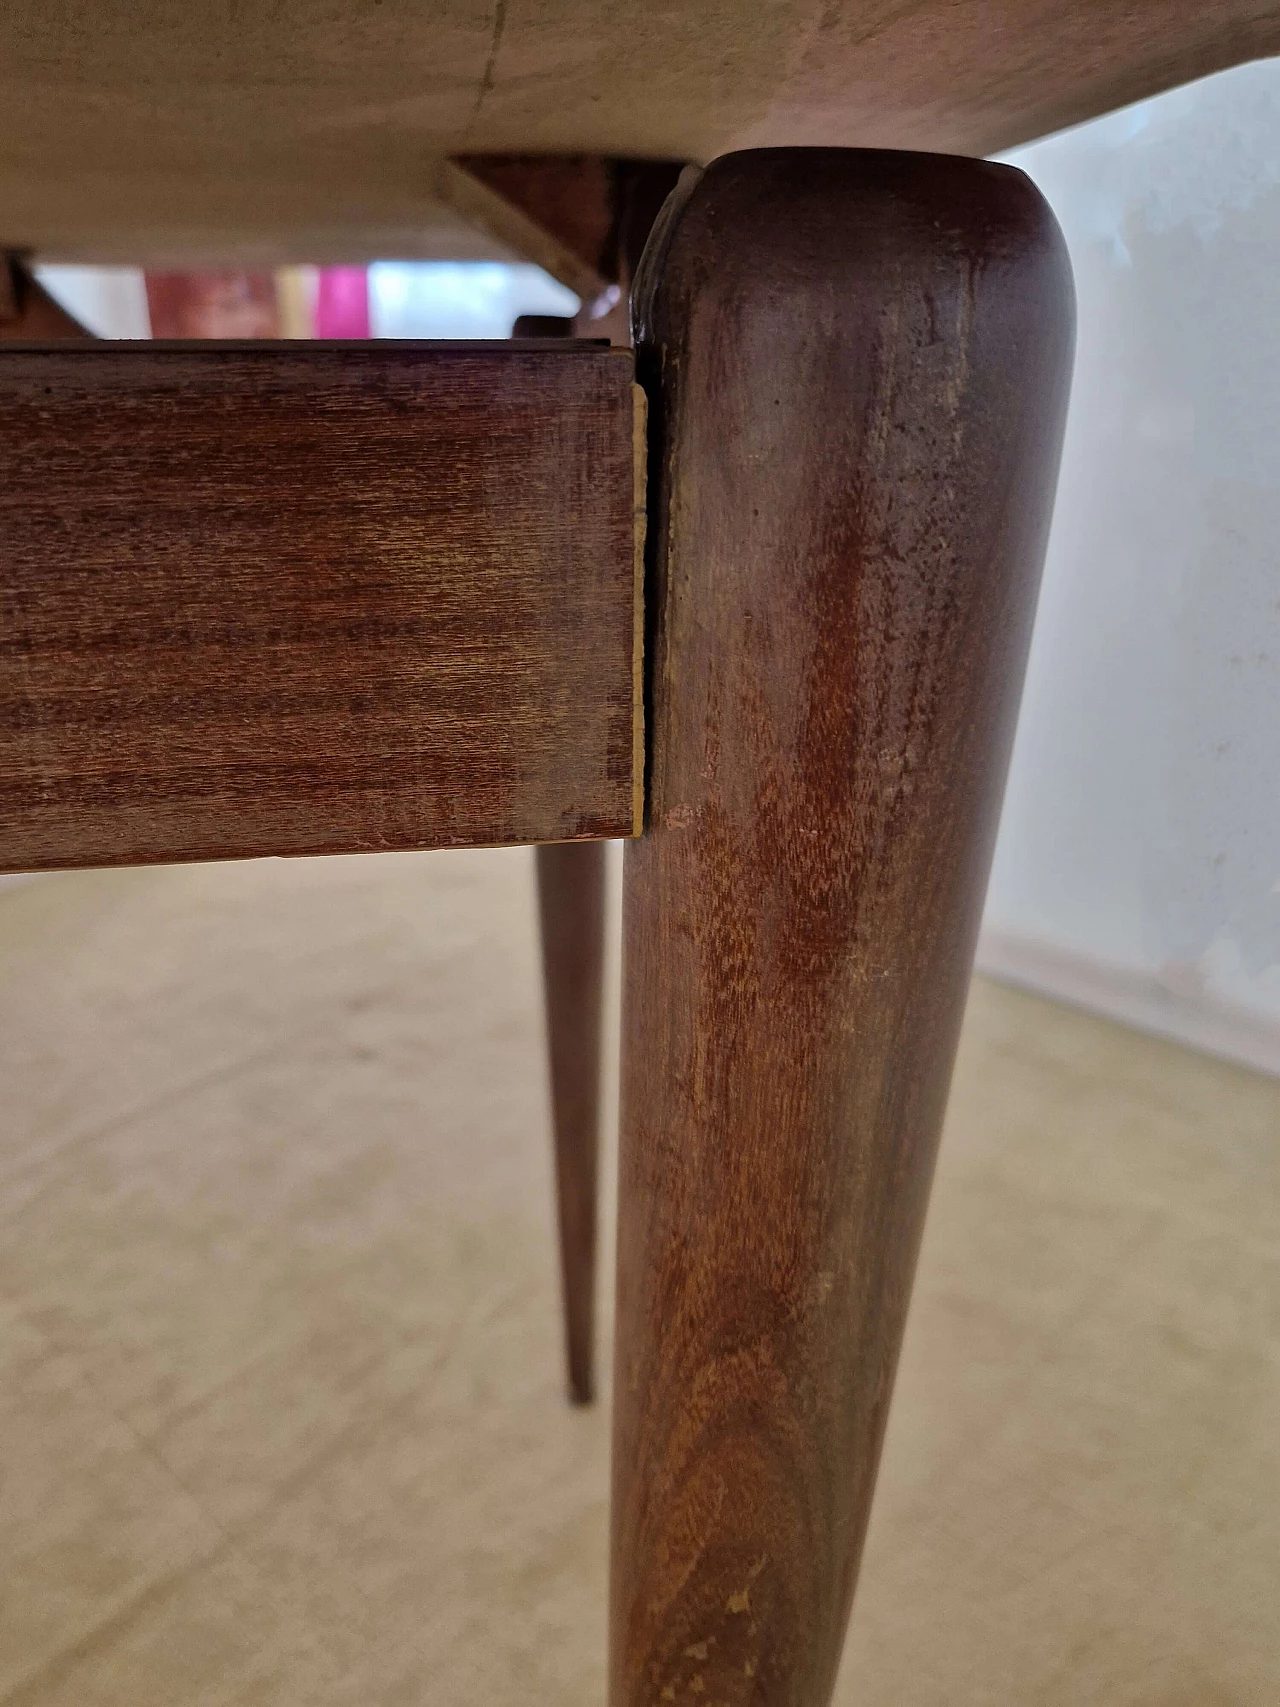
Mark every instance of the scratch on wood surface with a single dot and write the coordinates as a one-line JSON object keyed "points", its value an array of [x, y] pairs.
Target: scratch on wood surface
{"points": [[491, 64]]}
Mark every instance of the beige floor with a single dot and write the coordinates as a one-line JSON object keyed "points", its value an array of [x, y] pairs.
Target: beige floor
{"points": [[280, 1406]]}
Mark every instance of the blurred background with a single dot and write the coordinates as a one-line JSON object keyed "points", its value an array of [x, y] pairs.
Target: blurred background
{"points": [[390, 299]]}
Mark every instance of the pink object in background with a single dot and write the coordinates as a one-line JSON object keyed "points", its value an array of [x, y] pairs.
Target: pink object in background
{"points": [[213, 304], [342, 303]]}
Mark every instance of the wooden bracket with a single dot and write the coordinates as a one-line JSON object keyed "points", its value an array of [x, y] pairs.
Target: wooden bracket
{"points": [[582, 217]]}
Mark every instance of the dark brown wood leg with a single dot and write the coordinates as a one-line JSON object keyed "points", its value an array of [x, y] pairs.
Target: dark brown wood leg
{"points": [[571, 916], [571, 880], [571, 908], [857, 366]]}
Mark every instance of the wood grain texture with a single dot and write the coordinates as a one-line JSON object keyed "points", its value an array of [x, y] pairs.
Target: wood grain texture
{"points": [[304, 130], [857, 366], [571, 880], [571, 883], [303, 598]]}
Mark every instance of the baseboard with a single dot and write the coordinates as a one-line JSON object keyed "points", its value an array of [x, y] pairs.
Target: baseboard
{"points": [[9, 878], [1200, 1020]]}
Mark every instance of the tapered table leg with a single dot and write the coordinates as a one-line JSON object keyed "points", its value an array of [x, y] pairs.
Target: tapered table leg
{"points": [[571, 909], [571, 918], [571, 892], [857, 366]]}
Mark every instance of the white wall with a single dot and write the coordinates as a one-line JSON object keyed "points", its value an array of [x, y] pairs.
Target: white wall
{"points": [[460, 299], [110, 302], [1140, 845]]}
